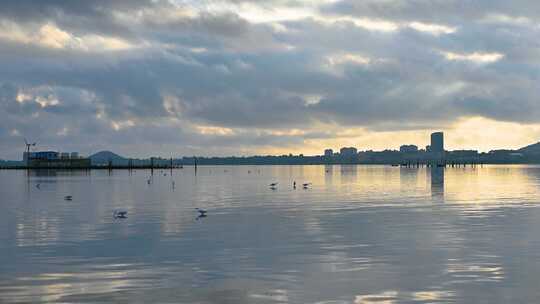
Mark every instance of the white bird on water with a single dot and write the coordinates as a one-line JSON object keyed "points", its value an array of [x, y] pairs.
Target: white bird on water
{"points": [[120, 214]]}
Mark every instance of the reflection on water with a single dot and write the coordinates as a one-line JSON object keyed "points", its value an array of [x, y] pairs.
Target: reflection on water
{"points": [[359, 234], [437, 182], [389, 297]]}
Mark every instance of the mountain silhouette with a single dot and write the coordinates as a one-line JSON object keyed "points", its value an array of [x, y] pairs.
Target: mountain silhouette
{"points": [[103, 158], [531, 149]]}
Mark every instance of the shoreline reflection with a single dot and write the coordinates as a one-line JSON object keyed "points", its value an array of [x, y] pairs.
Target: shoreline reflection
{"points": [[437, 182]]}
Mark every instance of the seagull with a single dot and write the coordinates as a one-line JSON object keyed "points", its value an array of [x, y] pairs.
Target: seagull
{"points": [[273, 184], [120, 214], [38, 186], [306, 185], [202, 212], [68, 198]]}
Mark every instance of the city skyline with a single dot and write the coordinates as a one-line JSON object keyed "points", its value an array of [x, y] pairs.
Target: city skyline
{"points": [[406, 154], [437, 138]]}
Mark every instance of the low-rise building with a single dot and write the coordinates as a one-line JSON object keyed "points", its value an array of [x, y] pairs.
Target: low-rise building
{"points": [[408, 149], [348, 151], [328, 153], [464, 153]]}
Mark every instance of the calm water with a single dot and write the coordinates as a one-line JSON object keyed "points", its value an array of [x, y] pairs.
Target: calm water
{"points": [[360, 234]]}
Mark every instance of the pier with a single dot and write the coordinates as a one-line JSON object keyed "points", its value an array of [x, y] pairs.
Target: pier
{"points": [[100, 167], [441, 163]]}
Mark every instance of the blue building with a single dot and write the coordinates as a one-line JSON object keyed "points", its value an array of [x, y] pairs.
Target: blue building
{"points": [[53, 159]]}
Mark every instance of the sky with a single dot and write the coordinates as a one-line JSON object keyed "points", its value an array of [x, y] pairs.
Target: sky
{"points": [[242, 77]]}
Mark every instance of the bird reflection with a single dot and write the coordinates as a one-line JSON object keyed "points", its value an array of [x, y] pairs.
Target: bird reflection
{"points": [[329, 174]]}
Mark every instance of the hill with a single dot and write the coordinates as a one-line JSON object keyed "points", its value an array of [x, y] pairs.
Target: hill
{"points": [[531, 149], [103, 158]]}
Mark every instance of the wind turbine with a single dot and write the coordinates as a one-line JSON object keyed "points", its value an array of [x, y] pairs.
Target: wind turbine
{"points": [[28, 145]]}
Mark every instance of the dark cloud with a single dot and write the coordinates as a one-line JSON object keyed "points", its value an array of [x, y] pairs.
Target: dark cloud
{"points": [[79, 16]]}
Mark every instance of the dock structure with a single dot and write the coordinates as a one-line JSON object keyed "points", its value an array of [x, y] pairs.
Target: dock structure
{"points": [[52, 160], [440, 163], [93, 167]]}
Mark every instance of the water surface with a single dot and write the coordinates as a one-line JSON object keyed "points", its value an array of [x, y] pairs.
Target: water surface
{"points": [[359, 234]]}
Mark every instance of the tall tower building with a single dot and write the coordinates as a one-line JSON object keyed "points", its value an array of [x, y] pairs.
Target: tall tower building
{"points": [[437, 142]]}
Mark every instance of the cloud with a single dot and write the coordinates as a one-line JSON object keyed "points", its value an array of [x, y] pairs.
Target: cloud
{"points": [[433, 11], [50, 36], [474, 57], [255, 76]]}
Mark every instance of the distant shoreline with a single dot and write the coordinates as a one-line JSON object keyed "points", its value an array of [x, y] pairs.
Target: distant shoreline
{"points": [[461, 165]]}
